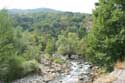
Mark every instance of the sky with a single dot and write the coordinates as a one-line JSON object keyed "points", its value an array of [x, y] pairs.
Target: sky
{"points": [[83, 6]]}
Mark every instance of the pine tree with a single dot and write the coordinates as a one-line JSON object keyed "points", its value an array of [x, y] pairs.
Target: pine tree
{"points": [[18, 53], [67, 44], [7, 50], [50, 47], [106, 40]]}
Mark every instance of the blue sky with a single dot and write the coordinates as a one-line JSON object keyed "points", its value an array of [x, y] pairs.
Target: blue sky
{"points": [[84, 6]]}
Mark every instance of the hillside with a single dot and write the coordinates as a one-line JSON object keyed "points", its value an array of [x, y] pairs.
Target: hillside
{"points": [[25, 11], [36, 33], [66, 47], [50, 21]]}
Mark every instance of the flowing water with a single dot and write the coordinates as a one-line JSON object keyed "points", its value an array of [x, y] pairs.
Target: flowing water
{"points": [[80, 73]]}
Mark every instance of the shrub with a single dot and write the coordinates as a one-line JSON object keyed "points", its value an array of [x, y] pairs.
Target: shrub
{"points": [[30, 66], [58, 60], [14, 69]]}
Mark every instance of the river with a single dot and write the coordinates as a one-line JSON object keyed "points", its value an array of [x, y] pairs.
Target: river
{"points": [[80, 72]]}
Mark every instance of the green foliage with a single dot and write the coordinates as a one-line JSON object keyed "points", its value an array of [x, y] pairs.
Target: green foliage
{"points": [[19, 67], [19, 50], [81, 47], [7, 49], [67, 44], [106, 40], [6, 34], [50, 47], [32, 45], [22, 41], [58, 60], [51, 22], [11, 70], [30, 66], [14, 68], [49, 25]]}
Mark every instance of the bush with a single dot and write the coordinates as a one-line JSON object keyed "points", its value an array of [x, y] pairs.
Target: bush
{"points": [[58, 60], [30, 66], [18, 50], [106, 40], [17, 67], [13, 69]]}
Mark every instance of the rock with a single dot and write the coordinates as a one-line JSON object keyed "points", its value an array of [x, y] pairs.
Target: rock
{"points": [[47, 79], [1, 82], [74, 57], [105, 79], [60, 81], [29, 79], [81, 67], [50, 70], [69, 72], [81, 78], [86, 63]]}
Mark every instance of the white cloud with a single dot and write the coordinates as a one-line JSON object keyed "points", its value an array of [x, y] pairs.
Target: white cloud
{"points": [[64, 5]]}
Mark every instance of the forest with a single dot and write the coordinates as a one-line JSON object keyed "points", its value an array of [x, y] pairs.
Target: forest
{"points": [[27, 35]]}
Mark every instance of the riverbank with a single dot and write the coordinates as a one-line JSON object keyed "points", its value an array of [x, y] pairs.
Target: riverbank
{"points": [[116, 76], [73, 70]]}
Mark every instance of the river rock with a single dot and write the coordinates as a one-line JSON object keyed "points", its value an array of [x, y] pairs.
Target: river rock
{"points": [[74, 57], [81, 78], [1, 82], [72, 71]]}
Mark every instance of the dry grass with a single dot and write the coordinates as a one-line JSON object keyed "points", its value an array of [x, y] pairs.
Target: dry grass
{"points": [[119, 65], [109, 78], [105, 79]]}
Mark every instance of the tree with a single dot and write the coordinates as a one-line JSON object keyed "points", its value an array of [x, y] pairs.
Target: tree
{"points": [[19, 50], [81, 47], [7, 49], [106, 40], [50, 46], [67, 44]]}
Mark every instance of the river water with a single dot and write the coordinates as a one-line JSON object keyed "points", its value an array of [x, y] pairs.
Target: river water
{"points": [[80, 73]]}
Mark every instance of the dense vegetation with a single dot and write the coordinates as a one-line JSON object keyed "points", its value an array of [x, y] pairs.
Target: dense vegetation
{"points": [[25, 35], [106, 40], [55, 29], [18, 50]]}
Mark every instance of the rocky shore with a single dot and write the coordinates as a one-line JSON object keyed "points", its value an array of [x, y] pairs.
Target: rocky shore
{"points": [[73, 70], [116, 76]]}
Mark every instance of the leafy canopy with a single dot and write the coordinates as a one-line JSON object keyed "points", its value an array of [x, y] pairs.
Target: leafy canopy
{"points": [[106, 40]]}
